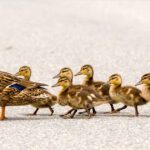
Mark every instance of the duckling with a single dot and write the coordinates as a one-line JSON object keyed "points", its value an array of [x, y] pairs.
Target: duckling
{"points": [[99, 86], [77, 99], [67, 72], [25, 72], [145, 82], [128, 95], [26, 93]]}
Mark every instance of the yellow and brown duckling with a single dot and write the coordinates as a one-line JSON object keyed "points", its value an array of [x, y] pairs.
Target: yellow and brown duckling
{"points": [[67, 72], [26, 72], [99, 86], [77, 98], [27, 93], [128, 95], [145, 82]]}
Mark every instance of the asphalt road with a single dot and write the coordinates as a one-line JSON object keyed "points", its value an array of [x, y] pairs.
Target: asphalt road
{"points": [[113, 36]]}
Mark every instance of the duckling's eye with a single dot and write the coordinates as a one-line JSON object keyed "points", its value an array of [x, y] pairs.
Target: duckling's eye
{"points": [[113, 78]]}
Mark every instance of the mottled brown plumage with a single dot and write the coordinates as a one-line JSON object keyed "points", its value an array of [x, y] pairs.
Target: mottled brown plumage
{"points": [[33, 90], [99, 86], [76, 97], [67, 72], [18, 95], [128, 95], [7, 79]]}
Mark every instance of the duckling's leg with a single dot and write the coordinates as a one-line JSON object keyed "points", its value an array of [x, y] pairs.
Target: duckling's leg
{"points": [[72, 115], [89, 114], [35, 112], [112, 107], [2, 117], [51, 110], [136, 110], [94, 111], [82, 112], [119, 109], [68, 112]]}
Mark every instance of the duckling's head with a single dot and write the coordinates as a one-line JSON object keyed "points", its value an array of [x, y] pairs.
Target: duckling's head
{"points": [[24, 71], [145, 79], [86, 70], [65, 72], [115, 79], [64, 82]]}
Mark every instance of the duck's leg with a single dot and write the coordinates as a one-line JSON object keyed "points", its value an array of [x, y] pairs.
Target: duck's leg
{"points": [[35, 112], [72, 115], [89, 114], [136, 110], [119, 109], [94, 111], [68, 112], [82, 112], [2, 117], [112, 110], [112, 107], [51, 110]]}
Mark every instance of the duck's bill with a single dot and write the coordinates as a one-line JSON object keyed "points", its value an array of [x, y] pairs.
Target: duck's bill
{"points": [[139, 83], [57, 76], [55, 85], [77, 74]]}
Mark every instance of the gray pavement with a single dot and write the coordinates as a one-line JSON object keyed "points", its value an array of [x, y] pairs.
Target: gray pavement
{"points": [[113, 36]]}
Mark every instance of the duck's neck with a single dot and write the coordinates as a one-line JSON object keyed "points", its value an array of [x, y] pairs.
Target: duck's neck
{"points": [[27, 78], [65, 89], [146, 92], [88, 80], [113, 87]]}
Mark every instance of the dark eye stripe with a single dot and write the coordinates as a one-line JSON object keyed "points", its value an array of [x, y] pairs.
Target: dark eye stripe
{"points": [[23, 69], [85, 67], [63, 79], [146, 76], [113, 78]]}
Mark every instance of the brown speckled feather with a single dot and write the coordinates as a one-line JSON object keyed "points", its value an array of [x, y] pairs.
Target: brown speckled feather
{"points": [[130, 96], [7, 79]]}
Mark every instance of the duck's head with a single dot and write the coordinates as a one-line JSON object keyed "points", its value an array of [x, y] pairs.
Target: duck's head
{"points": [[63, 82], [145, 79], [65, 72], [115, 79], [24, 71], [86, 70]]}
